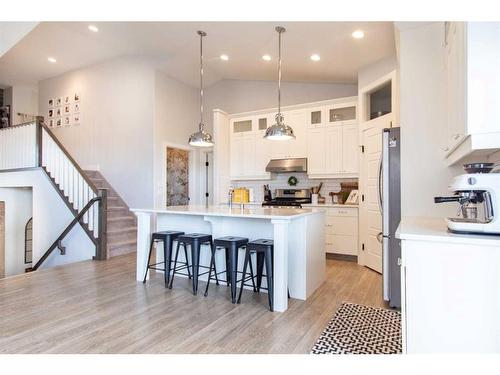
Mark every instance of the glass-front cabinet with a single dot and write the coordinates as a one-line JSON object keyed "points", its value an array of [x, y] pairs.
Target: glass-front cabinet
{"points": [[341, 114]]}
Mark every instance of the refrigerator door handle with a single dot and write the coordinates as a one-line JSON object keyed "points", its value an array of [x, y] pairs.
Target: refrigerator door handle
{"points": [[380, 184], [385, 268], [385, 184]]}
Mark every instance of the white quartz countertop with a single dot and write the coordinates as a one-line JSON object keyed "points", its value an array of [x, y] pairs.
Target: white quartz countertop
{"points": [[436, 230], [326, 205], [236, 211]]}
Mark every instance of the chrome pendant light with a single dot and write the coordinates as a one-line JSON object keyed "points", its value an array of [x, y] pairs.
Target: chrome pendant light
{"points": [[201, 138], [279, 131]]}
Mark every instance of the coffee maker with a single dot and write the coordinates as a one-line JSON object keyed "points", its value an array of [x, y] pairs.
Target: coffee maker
{"points": [[478, 196]]}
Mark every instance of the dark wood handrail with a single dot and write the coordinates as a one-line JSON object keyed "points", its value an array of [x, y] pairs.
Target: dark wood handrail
{"points": [[65, 232], [66, 153]]}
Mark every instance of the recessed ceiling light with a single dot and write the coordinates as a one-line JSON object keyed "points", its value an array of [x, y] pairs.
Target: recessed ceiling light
{"points": [[51, 59], [358, 34], [315, 57], [93, 28], [224, 57], [266, 58]]}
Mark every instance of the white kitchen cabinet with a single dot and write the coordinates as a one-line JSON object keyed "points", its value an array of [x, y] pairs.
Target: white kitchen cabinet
{"points": [[472, 57], [316, 117], [341, 230], [243, 156], [450, 289], [350, 149], [294, 148], [332, 152], [333, 147], [341, 114]]}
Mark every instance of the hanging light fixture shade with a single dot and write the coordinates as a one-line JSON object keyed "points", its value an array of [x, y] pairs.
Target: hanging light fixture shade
{"points": [[279, 131], [201, 138]]}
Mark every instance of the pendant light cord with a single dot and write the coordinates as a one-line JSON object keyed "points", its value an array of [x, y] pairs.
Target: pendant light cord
{"points": [[202, 34], [279, 70]]}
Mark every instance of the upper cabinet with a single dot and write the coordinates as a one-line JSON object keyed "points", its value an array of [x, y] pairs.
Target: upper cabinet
{"points": [[472, 57], [326, 134]]}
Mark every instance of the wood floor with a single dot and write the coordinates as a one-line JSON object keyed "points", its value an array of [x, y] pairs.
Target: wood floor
{"points": [[98, 307]]}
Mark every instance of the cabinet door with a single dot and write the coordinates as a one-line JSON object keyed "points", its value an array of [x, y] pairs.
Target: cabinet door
{"points": [[350, 149], [236, 161], [297, 148], [315, 117], [262, 156], [248, 155], [242, 126], [333, 149], [341, 114], [456, 91], [316, 156]]}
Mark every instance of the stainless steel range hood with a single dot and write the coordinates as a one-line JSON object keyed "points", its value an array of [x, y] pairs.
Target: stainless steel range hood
{"points": [[287, 165]]}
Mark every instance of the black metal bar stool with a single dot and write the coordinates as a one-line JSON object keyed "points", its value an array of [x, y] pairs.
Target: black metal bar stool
{"points": [[264, 250], [194, 240], [231, 245], [167, 237]]}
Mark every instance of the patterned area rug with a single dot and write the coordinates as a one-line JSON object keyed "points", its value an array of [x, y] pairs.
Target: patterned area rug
{"points": [[360, 329]]}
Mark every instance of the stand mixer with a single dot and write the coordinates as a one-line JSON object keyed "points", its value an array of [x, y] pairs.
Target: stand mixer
{"points": [[478, 196]]}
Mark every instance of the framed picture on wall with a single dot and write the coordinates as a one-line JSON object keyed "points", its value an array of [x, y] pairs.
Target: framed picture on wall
{"points": [[51, 113], [67, 121], [58, 122], [76, 108], [51, 103], [76, 97], [67, 99], [58, 112], [77, 119], [58, 102], [67, 109], [51, 123]]}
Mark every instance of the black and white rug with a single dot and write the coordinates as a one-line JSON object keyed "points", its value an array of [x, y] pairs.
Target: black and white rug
{"points": [[360, 329]]}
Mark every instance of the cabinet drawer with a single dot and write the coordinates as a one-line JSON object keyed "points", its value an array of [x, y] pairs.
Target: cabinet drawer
{"points": [[341, 244], [347, 225], [342, 211]]}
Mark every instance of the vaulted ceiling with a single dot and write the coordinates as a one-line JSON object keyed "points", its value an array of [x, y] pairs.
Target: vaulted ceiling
{"points": [[174, 48]]}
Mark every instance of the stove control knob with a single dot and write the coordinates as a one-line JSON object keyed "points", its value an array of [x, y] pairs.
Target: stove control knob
{"points": [[471, 181]]}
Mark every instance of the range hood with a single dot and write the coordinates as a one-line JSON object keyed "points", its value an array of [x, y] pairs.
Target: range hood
{"points": [[287, 165]]}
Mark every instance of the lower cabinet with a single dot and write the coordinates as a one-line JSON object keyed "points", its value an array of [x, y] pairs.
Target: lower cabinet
{"points": [[341, 232]]}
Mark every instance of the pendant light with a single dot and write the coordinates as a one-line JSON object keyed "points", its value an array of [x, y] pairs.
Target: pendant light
{"points": [[279, 131], [201, 138]]}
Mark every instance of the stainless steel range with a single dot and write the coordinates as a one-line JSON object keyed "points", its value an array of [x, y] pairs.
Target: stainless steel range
{"points": [[289, 198]]}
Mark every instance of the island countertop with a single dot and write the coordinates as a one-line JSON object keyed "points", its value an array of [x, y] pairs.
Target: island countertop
{"points": [[235, 211]]}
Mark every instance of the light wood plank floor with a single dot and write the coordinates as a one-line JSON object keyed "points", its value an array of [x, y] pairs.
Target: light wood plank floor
{"points": [[98, 307]]}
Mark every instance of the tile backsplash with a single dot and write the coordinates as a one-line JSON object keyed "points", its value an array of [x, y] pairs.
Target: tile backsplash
{"points": [[280, 181]]}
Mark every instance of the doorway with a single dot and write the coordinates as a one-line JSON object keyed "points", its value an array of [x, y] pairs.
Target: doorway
{"points": [[177, 172]]}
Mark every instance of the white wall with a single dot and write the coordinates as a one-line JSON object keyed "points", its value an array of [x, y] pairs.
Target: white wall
{"points": [[373, 72], [423, 121], [50, 218], [176, 118], [18, 210], [117, 116], [25, 101], [234, 96]]}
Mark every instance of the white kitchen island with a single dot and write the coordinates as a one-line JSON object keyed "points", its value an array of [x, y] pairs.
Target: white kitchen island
{"points": [[298, 234]]}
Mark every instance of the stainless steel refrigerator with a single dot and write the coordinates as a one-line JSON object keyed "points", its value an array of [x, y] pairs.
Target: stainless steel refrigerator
{"points": [[390, 194]]}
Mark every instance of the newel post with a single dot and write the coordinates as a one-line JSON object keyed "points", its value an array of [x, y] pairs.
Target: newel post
{"points": [[39, 122], [102, 248]]}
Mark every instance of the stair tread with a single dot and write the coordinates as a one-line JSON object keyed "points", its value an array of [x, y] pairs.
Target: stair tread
{"points": [[122, 230], [114, 245], [111, 208], [120, 218]]}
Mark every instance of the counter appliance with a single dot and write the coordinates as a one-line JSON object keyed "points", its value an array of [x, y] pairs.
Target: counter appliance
{"points": [[289, 198]]}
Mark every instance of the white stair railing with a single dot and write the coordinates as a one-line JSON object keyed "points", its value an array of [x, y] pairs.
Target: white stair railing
{"points": [[18, 146], [72, 181]]}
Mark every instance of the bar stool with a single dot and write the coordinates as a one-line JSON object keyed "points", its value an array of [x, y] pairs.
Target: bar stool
{"points": [[194, 240], [264, 250], [167, 237], [231, 245]]}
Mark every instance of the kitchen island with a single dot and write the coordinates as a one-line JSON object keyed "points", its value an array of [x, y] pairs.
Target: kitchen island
{"points": [[298, 234]]}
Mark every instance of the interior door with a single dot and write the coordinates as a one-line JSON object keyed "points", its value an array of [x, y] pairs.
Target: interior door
{"points": [[370, 229]]}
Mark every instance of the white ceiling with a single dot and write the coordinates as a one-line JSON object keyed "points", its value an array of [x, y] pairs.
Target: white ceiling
{"points": [[173, 46]]}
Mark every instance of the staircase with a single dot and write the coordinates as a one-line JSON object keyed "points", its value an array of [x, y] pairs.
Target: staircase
{"points": [[121, 223]]}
